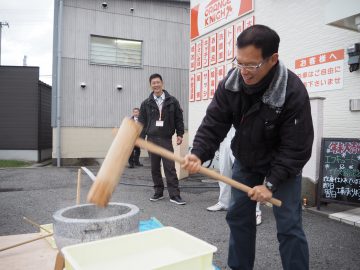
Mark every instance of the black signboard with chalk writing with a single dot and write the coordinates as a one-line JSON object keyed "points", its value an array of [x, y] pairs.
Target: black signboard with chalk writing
{"points": [[339, 171]]}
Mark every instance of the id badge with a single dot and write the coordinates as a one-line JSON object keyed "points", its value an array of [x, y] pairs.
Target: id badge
{"points": [[159, 123]]}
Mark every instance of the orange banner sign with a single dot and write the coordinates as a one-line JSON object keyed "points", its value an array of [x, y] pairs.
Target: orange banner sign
{"points": [[212, 14]]}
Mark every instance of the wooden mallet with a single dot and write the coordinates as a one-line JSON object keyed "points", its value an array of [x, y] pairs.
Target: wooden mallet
{"points": [[117, 157]]}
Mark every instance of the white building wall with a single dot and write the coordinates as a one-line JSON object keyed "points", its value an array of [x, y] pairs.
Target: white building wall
{"points": [[28, 155], [303, 32]]}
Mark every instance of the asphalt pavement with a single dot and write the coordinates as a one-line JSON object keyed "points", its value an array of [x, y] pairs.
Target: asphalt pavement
{"points": [[38, 192]]}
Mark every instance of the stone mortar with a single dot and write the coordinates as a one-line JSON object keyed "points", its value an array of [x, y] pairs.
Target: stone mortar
{"points": [[87, 222]]}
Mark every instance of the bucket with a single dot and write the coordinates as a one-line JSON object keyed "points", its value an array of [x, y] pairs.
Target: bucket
{"points": [[165, 248]]}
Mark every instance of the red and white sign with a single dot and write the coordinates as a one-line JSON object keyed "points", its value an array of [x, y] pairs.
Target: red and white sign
{"points": [[205, 51], [229, 42], [192, 56], [213, 51], [249, 22], [198, 54], [238, 28], [321, 72], [192, 88], [221, 46], [220, 73], [212, 81], [212, 14], [205, 84], [198, 86]]}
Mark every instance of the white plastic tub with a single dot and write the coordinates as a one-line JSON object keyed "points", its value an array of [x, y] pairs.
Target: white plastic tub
{"points": [[165, 248]]}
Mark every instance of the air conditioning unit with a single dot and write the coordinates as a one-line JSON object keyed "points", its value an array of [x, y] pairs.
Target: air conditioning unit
{"points": [[354, 105]]}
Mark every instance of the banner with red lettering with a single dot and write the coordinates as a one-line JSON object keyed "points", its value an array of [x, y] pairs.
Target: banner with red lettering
{"points": [[229, 42], [321, 72], [221, 46], [213, 49], [205, 52], [198, 55], [212, 14], [198, 85], [212, 83], [192, 88], [192, 56], [205, 85], [238, 28], [220, 73]]}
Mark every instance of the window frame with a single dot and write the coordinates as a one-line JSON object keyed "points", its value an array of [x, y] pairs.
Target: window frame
{"points": [[91, 62]]}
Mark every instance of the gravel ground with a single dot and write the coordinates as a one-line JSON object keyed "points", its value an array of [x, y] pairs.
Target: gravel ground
{"points": [[38, 192]]}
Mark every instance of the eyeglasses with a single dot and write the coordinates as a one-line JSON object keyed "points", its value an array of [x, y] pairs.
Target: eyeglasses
{"points": [[251, 68]]}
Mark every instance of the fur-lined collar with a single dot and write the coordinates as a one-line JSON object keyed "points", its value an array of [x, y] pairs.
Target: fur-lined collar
{"points": [[274, 96]]}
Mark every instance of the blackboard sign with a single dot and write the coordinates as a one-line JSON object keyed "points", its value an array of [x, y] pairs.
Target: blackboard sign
{"points": [[339, 171]]}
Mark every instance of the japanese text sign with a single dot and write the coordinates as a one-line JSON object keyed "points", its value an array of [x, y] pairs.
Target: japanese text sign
{"points": [[322, 71]]}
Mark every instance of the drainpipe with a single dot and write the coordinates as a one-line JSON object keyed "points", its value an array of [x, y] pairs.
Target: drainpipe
{"points": [[58, 86]]}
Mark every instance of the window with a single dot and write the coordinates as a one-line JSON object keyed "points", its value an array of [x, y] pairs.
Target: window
{"points": [[115, 51]]}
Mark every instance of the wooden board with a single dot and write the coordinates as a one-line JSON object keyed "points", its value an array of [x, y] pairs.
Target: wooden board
{"points": [[36, 255]]}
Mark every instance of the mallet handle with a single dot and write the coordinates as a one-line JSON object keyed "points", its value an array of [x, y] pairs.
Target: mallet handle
{"points": [[153, 148]]}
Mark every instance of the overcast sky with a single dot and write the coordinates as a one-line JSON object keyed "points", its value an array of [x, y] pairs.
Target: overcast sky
{"points": [[30, 34]]}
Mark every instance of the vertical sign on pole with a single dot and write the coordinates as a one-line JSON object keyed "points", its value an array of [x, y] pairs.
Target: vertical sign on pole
{"points": [[198, 54], [205, 85], [192, 88], [221, 46], [230, 42], [205, 51], [212, 81], [213, 54], [198, 86], [192, 56]]}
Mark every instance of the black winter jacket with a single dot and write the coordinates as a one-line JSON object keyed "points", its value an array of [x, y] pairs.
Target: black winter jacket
{"points": [[274, 137], [171, 114]]}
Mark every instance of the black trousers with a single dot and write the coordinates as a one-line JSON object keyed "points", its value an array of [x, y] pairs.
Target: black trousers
{"points": [[134, 157], [169, 168]]}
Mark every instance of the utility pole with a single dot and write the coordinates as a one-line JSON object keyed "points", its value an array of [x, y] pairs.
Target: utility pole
{"points": [[1, 26]]}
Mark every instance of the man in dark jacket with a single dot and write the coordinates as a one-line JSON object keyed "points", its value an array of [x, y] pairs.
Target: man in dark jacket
{"points": [[161, 116], [270, 110], [134, 159]]}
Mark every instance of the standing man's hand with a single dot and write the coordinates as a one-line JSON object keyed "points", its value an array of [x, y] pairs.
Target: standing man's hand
{"points": [[192, 163], [179, 140], [260, 194]]}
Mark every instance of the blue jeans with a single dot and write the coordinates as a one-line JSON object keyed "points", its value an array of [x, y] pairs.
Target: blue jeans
{"points": [[241, 218]]}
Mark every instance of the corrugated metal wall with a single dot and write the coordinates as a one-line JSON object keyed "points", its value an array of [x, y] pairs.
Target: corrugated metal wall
{"points": [[45, 130], [163, 26], [19, 107]]}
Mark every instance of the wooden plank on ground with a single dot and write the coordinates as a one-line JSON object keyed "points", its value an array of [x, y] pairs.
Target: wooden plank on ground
{"points": [[36, 255]]}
